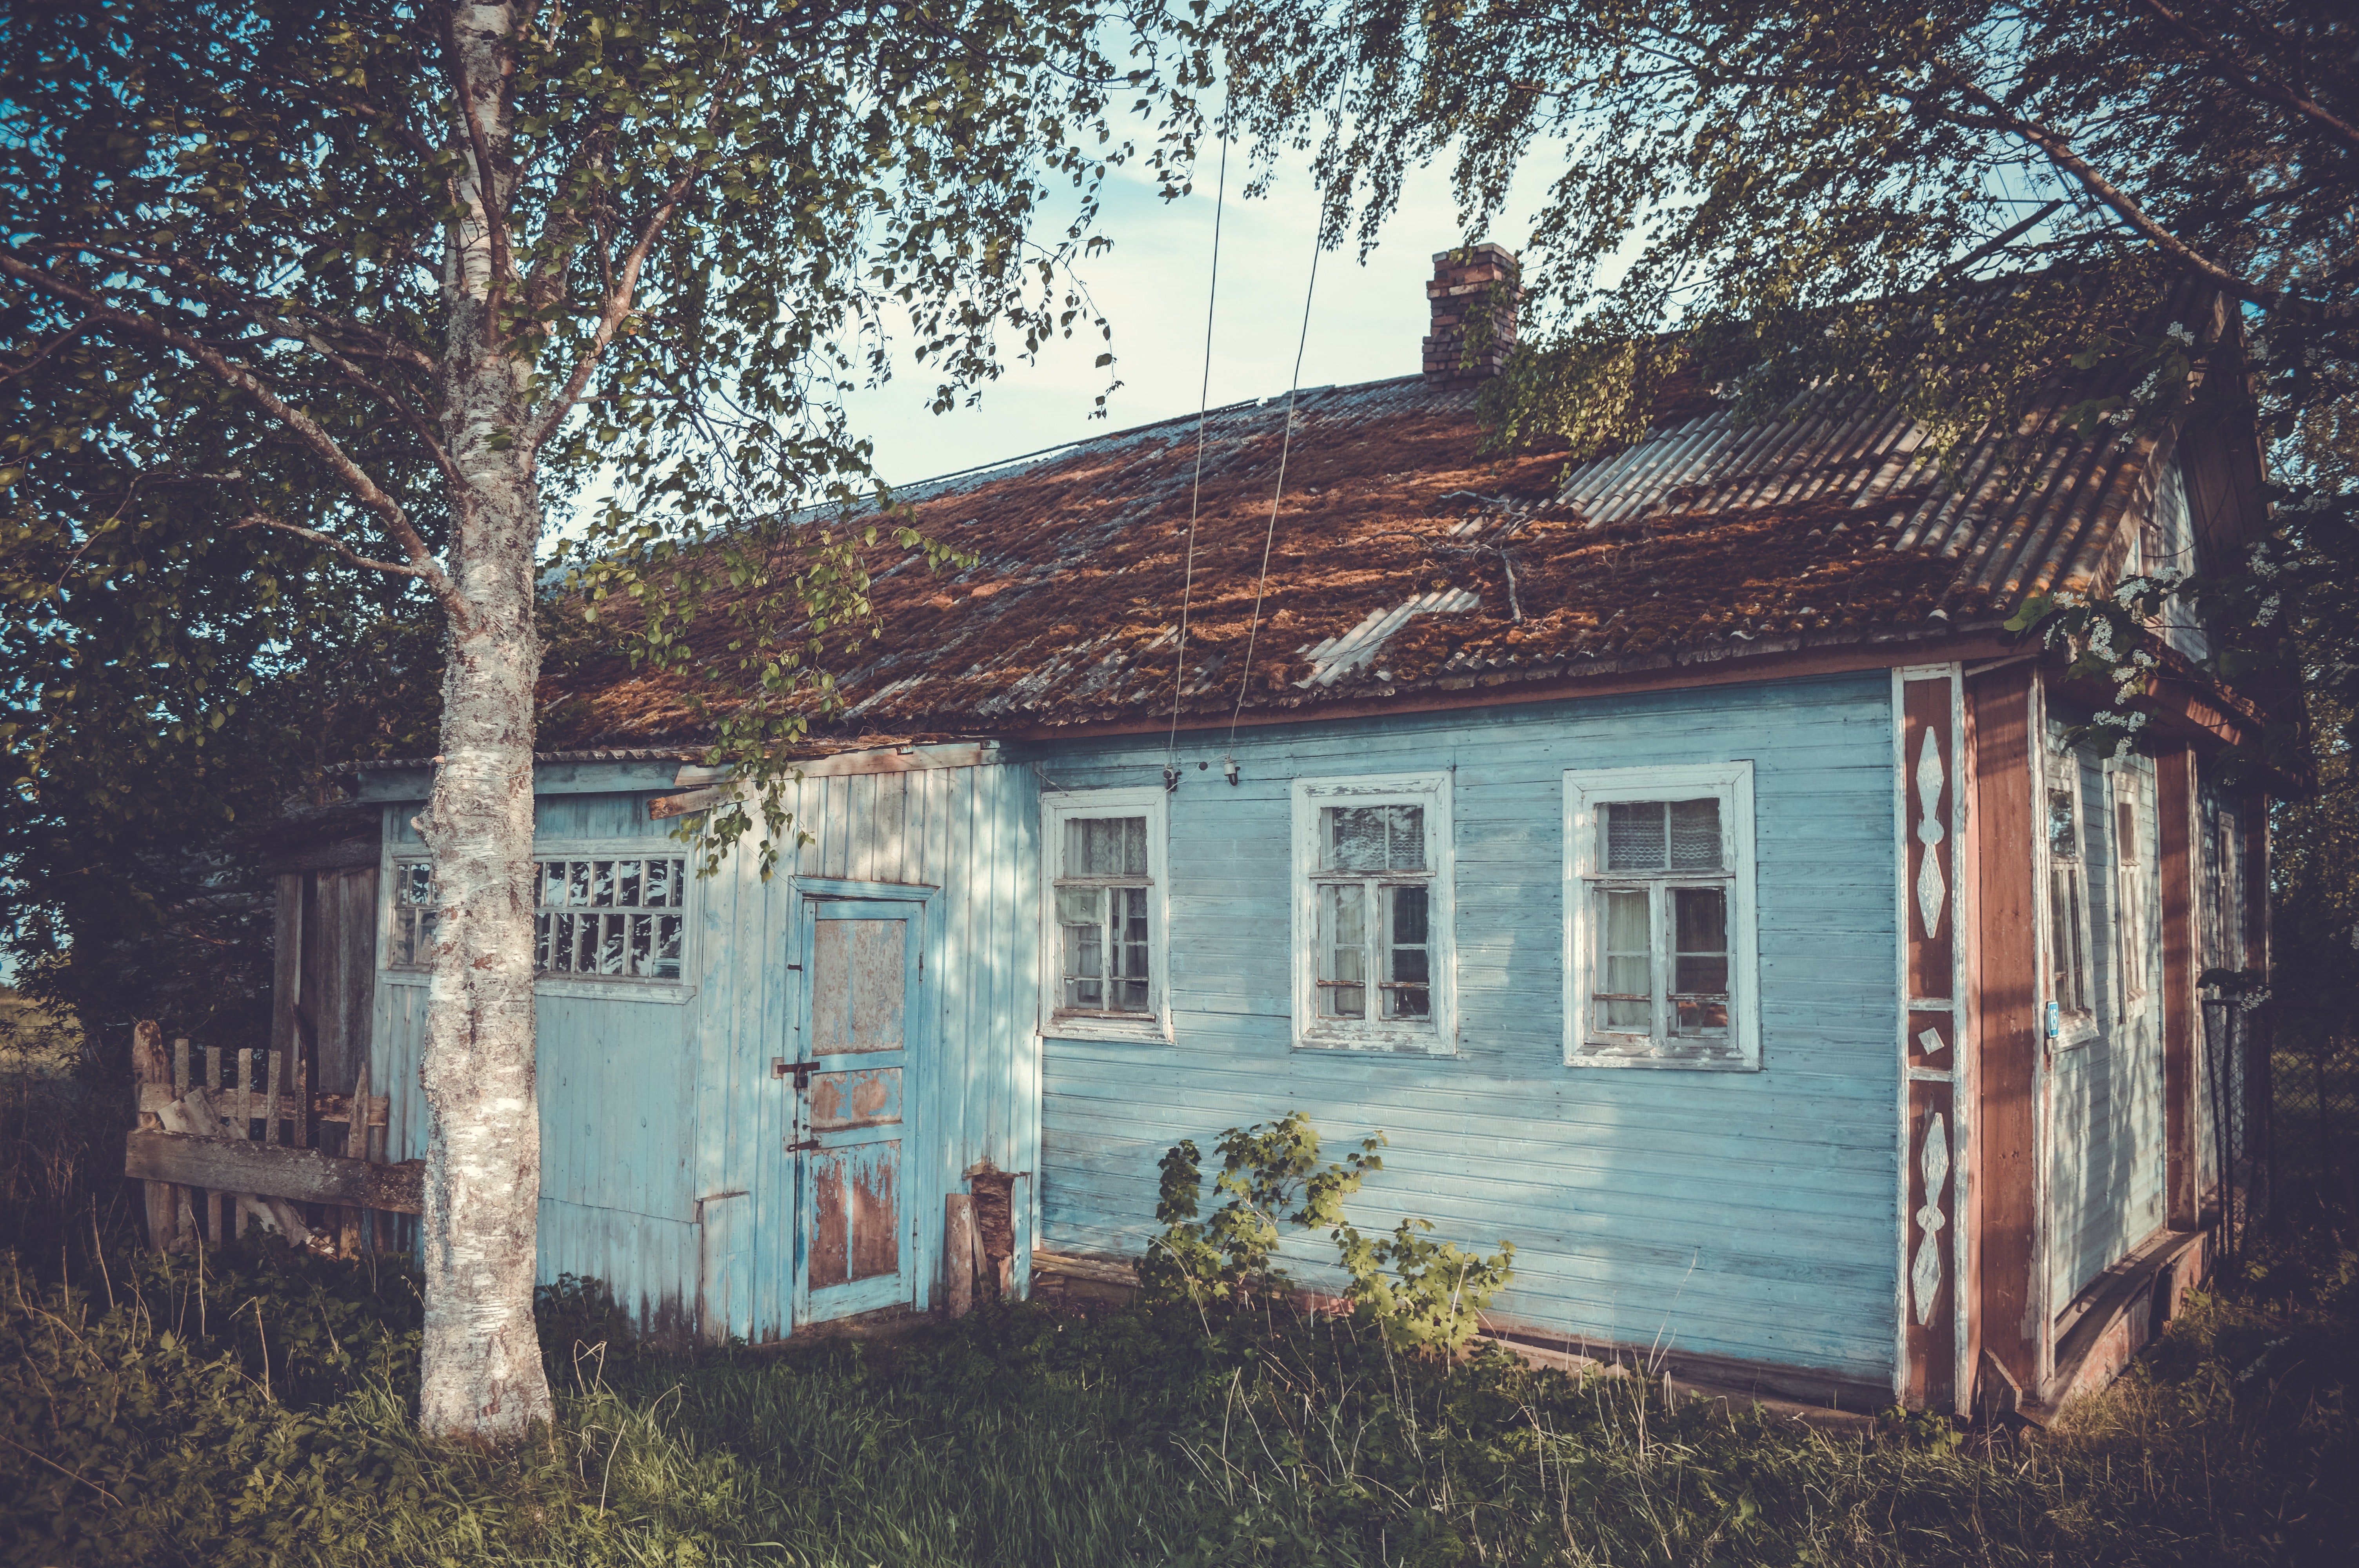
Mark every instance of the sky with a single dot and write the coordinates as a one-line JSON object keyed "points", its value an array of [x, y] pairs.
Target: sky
{"points": [[1366, 322]]}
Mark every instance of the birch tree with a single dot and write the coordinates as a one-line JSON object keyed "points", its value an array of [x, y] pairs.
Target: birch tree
{"points": [[382, 283]]}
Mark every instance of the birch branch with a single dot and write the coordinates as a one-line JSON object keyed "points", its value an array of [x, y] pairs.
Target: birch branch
{"points": [[300, 424], [2262, 83]]}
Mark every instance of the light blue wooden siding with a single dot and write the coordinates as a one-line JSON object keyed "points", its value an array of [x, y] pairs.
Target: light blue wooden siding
{"points": [[1733, 1213], [975, 1097], [663, 1169], [2105, 1141]]}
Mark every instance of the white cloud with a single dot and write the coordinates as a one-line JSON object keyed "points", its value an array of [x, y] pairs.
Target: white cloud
{"points": [[1365, 320]]}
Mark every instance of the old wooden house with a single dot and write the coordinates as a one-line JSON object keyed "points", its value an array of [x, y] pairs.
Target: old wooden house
{"points": [[1674, 856]]}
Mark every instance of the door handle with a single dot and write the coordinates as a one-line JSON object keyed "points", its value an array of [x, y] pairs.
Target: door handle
{"points": [[799, 1071]]}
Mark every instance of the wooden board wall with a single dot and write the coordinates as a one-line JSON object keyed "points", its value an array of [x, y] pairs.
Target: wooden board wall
{"points": [[2176, 848], [2009, 1307], [662, 1129], [1735, 1214], [1934, 1046]]}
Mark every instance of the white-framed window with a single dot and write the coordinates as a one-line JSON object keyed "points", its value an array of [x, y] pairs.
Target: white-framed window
{"points": [[2071, 979], [1374, 959], [2132, 929], [599, 915], [1662, 963], [1105, 973]]}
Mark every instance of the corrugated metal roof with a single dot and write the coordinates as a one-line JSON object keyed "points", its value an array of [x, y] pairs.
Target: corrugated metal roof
{"points": [[1404, 559]]}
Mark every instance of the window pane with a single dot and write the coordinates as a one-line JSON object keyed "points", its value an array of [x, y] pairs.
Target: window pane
{"points": [[1081, 912], [552, 883], [1701, 1015], [1408, 916], [561, 945], [609, 944], [416, 882], [1625, 985], [659, 887], [626, 883], [2062, 838], [2059, 945], [2080, 959], [1358, 838], [1699, 960], [1408, 962], [1130, 931], [1342, 936], [602, 884], [1407, 832], [642, 946], [1105, 845], [1080, 906], [2125, 830], [1695, 836], [667, 940], [1634, 835], [578, 890], [1701, 920]]}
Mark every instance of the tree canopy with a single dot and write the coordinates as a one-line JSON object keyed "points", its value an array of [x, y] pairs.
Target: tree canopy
{"points": [[1944, 202], [293, 297]]}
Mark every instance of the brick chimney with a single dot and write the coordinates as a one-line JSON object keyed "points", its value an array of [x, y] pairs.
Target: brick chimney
{"points": [[1467, 283]]}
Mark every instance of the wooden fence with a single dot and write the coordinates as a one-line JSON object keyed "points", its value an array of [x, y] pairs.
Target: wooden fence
{"points": [[227, 1139]]}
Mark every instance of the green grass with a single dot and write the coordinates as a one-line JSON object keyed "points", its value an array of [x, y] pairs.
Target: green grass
{"points": [[262, 1416]]}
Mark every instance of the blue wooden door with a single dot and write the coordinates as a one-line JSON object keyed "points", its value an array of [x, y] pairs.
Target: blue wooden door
{"points": [[852, 1128]]}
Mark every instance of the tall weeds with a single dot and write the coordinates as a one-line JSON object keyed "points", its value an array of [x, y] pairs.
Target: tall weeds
{"points": [[239, 1412]]}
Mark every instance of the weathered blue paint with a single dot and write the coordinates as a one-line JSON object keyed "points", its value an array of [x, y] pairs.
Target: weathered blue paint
{"points": [[1734, 1214], [664, 1169]]}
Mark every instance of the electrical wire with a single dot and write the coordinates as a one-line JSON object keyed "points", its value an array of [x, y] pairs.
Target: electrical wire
{"points": [[1196, 486], [1285, 450]]}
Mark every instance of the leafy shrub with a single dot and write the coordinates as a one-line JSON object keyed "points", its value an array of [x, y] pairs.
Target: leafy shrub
{"points": [[1266, 1171], [1421, 1296]]}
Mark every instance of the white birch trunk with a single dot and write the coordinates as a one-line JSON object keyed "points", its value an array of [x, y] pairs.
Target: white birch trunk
{"points": [[482, 1377]]}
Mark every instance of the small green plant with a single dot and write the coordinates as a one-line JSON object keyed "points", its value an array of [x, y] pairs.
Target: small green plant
{"points": [[1266, 1171], [1423, 1295]]}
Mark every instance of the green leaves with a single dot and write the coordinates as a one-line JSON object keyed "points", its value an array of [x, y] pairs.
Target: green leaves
{"points": [[1268, 1174]]}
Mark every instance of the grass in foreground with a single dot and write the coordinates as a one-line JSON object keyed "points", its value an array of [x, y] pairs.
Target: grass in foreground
{"points": [[251, 1416]]}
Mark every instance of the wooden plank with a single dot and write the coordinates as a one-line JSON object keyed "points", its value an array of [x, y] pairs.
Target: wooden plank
{"points": [[957, 1252], [197, 1117], [286, 964], [2174, 845], [894, 760], [336, 854], [303, 1175], [664, 807], [2258, 1031], [153, 1070], [338, 1109], [2005, 1121]]}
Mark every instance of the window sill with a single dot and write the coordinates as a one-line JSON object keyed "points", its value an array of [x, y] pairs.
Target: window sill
{"points": [[1373, 1043], [662, 993], [2078, 1030], [1694, 1056], [1107, 1031]]}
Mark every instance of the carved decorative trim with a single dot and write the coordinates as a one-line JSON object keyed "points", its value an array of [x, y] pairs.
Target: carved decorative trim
{"points": [[1933, 893], [1924, 1270]]}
